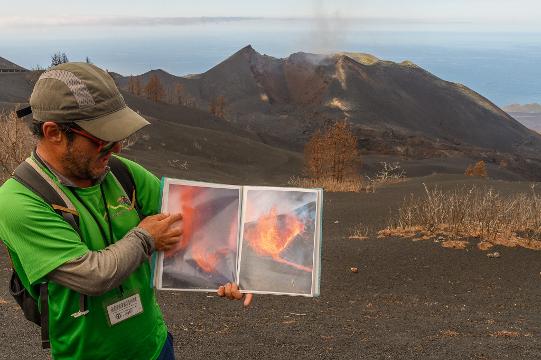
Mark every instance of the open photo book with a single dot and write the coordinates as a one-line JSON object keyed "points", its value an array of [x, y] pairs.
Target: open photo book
{"points": [[266, 239]]}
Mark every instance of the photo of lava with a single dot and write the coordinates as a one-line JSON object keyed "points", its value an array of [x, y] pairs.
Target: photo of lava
{"points": [[278, 241], [205, 258]]}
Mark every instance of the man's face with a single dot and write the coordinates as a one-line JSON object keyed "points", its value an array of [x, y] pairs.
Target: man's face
{"points": [[83, 160]]}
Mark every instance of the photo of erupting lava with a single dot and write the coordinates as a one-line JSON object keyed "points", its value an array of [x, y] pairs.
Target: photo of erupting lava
{"points": [[206, 256], [279, 242], [266, 239]]}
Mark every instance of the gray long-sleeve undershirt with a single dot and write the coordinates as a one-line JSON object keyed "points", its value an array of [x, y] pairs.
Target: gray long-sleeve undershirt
{"points": [[97, 272]]}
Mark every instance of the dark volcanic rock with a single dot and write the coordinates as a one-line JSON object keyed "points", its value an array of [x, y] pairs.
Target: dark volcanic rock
{"points": [[395, 109], [8, 66], [289, 98]]}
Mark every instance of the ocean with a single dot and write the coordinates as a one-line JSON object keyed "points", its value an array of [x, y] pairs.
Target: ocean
{"points": [[502, 65]]}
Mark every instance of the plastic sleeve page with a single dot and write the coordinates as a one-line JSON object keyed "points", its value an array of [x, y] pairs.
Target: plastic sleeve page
{"points": [[279, 240], [318, 246], [206, 256]]}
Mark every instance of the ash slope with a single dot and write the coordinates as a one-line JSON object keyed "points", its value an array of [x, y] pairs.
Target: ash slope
{"points": [[395, 109], [409, 300], [289, 98]]}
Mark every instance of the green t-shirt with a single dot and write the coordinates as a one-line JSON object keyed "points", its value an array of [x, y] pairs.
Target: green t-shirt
{"points": [[39, 241]]}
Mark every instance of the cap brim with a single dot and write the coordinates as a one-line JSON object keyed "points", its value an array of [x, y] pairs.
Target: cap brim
{"points": [[115, 126]]}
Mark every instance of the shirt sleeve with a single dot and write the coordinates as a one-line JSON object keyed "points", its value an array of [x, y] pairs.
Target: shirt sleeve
{"points": [[41, 239], [147, 187], [97, 272]]}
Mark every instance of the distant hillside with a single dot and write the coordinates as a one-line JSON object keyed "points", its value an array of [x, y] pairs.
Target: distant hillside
{"points": [[393, 107], [8, 66], [524, 108], [186, 142], [179, 114], [528, 115], [16, 87]]}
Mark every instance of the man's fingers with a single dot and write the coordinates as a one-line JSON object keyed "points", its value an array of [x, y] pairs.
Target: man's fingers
{"points": [[174, 218], [235, 292], [174, 235], [166, 246], [228, 291], [159, 217], [232, 292], [171, 240], [248, 299]]}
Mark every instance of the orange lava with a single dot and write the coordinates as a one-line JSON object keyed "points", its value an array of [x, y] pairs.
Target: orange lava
{"points": [[189, 219], [205, 259], [270, 236], [203, 250]]}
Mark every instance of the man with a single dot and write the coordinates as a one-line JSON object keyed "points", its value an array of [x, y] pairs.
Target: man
{"points": [[80, 119]]}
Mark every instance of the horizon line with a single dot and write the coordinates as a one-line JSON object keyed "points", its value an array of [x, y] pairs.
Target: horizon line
{"points": [[122, 21]]}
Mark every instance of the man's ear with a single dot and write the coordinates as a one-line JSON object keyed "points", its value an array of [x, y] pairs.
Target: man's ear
{"points": [[52, 133]]}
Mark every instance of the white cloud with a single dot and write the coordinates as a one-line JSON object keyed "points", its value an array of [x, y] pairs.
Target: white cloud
{"points": [[17, 21]]}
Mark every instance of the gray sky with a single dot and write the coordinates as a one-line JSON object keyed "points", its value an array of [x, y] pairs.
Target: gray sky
{"points": [[479, 11]]}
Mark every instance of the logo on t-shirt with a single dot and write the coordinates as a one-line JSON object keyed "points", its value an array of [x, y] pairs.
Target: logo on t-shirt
{"points": [[123, 205], [124, 201]]}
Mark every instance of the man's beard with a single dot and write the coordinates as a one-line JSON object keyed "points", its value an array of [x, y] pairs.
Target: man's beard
{"points": [[78, 164]]}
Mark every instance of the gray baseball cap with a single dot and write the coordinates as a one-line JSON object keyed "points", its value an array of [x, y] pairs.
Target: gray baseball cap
{"points": [[86, 95]]}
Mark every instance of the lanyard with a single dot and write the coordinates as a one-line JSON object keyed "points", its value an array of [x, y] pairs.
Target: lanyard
{"points": [[108, 240], [109, 219]]}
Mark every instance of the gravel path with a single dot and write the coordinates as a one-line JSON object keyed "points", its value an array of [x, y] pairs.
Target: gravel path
{"points": [[409, 300]]}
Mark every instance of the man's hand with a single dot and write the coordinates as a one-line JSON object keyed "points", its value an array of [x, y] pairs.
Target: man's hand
{"points": [[165, 229], [232, 292]]}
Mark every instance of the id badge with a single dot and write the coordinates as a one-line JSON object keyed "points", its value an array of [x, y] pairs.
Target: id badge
{"points": [[120, 310]]}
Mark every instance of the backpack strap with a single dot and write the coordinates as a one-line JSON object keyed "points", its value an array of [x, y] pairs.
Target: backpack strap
{"points": [[124, 177], [29, 174], [32, 176], [44, 298]]}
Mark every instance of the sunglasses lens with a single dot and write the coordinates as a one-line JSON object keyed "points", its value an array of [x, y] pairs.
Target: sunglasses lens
{"points": [[103, 147]]}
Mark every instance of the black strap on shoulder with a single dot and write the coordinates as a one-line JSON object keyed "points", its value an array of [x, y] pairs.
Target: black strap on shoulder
{"points": [[44, 298], [29, 177], [125, 179]]}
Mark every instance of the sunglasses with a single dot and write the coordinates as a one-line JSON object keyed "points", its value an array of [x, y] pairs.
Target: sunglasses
{"points": [[103, 146]]}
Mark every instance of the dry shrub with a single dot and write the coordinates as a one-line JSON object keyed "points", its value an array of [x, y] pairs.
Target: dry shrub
{"points": [[360, 232], [351, 184], [465, 213], [16, 143], [332, 161], [455, 244], [154, 89], [479, 169], [390, 173], [484, 246], [217, 107], [134, 85], [332, 154], [405, 232]]}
